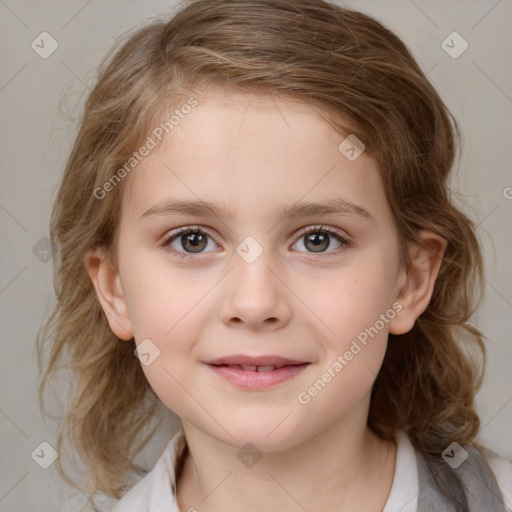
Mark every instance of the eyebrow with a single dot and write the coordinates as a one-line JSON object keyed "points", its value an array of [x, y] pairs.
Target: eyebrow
{"points": [[299, 209]]}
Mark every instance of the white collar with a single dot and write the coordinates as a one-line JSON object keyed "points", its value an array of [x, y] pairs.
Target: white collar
{"points": [[403, 496], [157, 490]]}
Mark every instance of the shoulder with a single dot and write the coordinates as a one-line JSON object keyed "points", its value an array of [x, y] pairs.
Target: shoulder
{"points": [[409, 485], [502, 469], [470, 473], [137, 498], [157, 488]]}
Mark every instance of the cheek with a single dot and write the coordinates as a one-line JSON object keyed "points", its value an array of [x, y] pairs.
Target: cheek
{"points": [[350, 300], [158, 296], [353, 354], [167, 314], [170, 345], [163, 310]]}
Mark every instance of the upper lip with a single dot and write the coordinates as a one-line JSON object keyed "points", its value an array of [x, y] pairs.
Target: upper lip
{"points": [[244, 360]]}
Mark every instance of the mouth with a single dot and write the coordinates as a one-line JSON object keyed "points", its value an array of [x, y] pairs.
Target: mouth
{"points": [[255, 368], [256, 372], [258, 361]]}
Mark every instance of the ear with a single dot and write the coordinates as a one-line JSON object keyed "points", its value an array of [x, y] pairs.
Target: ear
{"points": [[107, 284], [416, 282]]}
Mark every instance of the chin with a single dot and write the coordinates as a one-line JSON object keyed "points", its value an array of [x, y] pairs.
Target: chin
{"points": [[268, 434]]}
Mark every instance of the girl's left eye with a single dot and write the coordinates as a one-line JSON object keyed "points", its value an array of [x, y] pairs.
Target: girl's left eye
{"points": [[194, 240], [318, 240]]}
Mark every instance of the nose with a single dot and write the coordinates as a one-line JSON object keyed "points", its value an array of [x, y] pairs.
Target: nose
{"points": [[255, 296]]}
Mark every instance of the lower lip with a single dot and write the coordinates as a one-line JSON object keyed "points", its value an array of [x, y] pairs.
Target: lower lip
{"points": [[254, 380]]}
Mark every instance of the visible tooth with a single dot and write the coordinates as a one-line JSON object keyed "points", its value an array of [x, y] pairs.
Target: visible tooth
{"points": [[251, 368], [266, 368]]}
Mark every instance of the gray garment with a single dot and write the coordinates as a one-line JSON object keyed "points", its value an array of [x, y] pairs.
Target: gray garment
{"points": [[472, 485]]}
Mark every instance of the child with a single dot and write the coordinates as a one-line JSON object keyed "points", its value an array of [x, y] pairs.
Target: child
{"points": [[257, 202]]}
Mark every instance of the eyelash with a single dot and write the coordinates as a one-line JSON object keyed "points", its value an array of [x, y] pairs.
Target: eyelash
{"points": [[310, 229]]}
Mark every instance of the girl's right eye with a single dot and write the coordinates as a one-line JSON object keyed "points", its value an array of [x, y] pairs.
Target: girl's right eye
{"points": [[188, 241]]}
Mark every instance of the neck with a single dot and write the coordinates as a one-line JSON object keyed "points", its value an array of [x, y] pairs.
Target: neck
{"points": [[338, 466]]}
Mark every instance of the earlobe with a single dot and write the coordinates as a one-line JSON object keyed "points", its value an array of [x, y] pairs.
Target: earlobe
{"points": [[107, 283], [418, 280]]}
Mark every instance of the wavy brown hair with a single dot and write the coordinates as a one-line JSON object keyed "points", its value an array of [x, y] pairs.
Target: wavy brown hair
{"points": [[363, 80]]}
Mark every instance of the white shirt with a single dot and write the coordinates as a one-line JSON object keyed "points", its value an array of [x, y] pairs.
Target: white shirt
{"points": [[156, 491]]}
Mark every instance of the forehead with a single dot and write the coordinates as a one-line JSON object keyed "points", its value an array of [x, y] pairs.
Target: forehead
{"points": [[249, 153]]}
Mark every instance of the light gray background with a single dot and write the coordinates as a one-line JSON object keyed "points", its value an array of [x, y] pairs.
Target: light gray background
{"points": [[40, 98]]}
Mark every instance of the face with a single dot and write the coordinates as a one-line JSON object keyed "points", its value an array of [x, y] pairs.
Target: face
{"points": [[216, 300]]}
